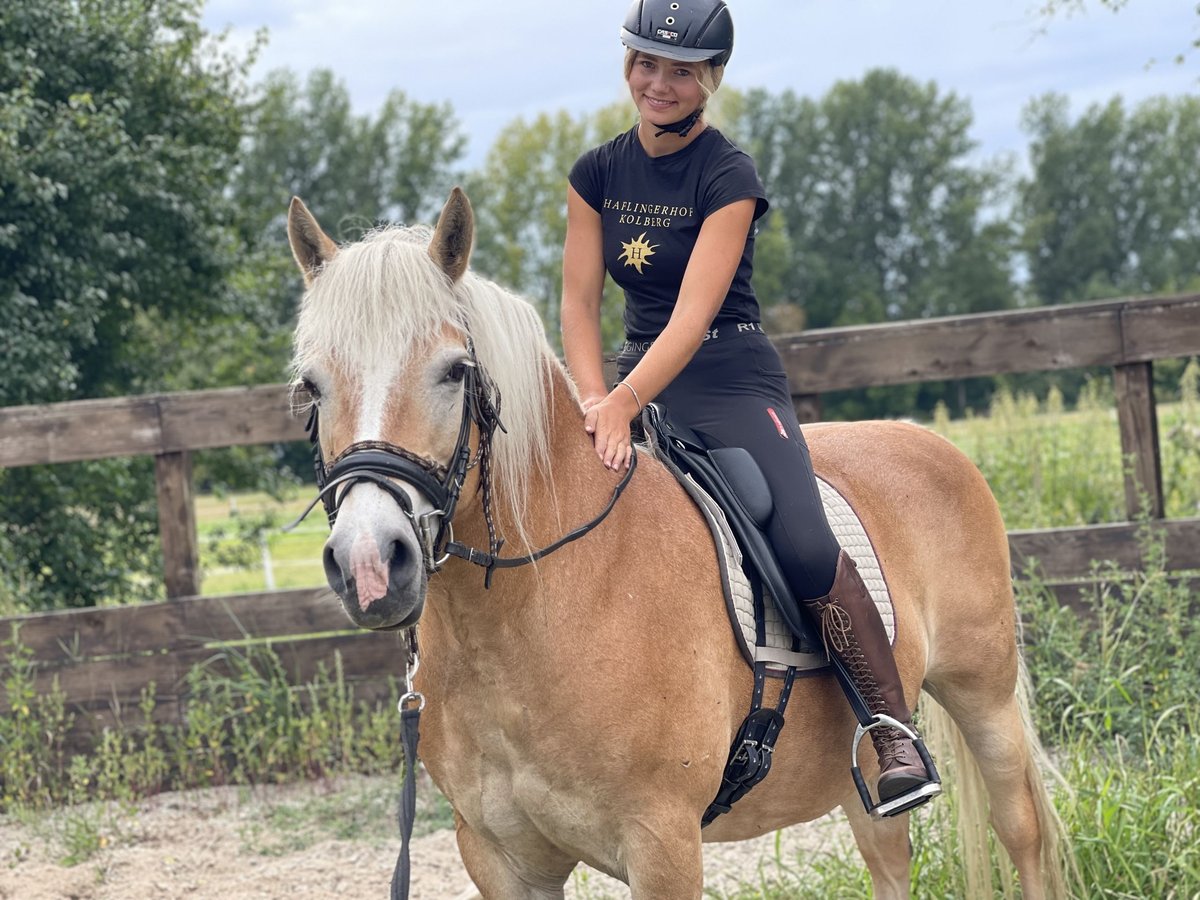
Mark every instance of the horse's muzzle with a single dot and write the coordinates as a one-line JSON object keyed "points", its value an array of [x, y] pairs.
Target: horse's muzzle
{"points": [[381, 580]]}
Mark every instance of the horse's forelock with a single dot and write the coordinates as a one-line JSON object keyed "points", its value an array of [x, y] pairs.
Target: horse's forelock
{"points": [[382, 298]]}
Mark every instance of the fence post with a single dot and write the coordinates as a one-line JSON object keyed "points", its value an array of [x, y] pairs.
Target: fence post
{"points": [[177, 524], [1138, 420], [807, 407]]}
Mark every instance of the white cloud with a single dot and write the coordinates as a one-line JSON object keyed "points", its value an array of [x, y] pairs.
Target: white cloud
{"points": [[493, 61]]}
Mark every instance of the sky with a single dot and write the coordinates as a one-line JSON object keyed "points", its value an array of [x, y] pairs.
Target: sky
{"points": [[494, 61]]}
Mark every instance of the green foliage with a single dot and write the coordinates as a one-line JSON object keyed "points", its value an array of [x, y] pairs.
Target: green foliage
{"points": [[885, 216], [1116, 694], [1110, 207], [1051, 467], [83, 532], [32, 759], [119, 121], [1046, 466], [521, 203], [245, 722]]}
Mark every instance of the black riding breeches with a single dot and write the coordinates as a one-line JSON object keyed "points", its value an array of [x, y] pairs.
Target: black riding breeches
{"points": [[734, 393]]}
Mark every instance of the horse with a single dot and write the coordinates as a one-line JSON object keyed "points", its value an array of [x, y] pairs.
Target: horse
{"points": [[580, 708]]}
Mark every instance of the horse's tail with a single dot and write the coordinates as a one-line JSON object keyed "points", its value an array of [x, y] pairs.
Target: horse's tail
{"points": [[967, 802]]}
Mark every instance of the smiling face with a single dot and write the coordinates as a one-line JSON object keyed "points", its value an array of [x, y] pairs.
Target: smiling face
{"points": [[664, 90]]}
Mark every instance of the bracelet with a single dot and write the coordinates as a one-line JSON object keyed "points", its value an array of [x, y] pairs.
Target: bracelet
{"points": [[636, 398]]}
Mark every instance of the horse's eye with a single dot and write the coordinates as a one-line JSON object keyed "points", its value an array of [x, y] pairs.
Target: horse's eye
{"points": [[456, 373], [307, 387]]}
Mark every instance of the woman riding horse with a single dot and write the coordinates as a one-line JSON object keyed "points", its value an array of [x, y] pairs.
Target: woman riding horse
{"points": [[668, 209]]}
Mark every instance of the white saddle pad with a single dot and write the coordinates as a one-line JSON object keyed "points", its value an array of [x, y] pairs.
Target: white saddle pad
{"points": [[739, 596]]}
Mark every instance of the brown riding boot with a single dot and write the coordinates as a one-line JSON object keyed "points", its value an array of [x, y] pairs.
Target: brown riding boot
{"points": [[852, 629]]}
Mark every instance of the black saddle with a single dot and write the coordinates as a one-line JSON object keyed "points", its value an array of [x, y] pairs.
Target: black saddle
{"points": [[731, 477]]}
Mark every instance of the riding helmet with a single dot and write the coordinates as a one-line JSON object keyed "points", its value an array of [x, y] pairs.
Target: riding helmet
{"points": [[686, 30]]}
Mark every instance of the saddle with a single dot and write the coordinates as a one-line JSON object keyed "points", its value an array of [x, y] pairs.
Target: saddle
{"points": [[733, 480]]}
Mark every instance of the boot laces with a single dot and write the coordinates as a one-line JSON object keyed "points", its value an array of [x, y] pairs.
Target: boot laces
{"points": [[836, 627]]}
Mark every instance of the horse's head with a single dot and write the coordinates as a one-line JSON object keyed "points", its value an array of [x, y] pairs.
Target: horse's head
{"points": [[381, 349]]}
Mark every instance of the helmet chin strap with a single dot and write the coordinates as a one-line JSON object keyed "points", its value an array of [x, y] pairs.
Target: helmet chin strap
{"points": [[683, 126]]}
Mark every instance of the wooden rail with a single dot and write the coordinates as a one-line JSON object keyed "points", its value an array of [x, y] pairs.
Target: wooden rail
{"points": [[102, 659], [1126, 335]]}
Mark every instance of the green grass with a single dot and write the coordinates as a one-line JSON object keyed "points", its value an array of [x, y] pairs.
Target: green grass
{"points": [[1052, 467], [231, 529]]}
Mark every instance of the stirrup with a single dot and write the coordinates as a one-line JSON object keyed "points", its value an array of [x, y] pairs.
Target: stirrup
{"points": [[922, 793]]}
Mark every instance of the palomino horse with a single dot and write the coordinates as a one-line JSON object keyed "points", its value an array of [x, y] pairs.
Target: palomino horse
{"points": [[582, 707]]}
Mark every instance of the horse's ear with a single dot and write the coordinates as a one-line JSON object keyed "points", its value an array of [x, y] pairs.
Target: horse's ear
{"points": [[311, 246], [451, 245]]}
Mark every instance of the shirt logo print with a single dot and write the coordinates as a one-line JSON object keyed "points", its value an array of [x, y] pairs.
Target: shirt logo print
{"points": [[637, 251]]}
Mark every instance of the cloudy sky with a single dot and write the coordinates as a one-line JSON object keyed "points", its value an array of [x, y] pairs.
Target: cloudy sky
{"points": [[494, 60]]}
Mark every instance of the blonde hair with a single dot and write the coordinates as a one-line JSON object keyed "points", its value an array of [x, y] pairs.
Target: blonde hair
{"points": [[707, 75]]}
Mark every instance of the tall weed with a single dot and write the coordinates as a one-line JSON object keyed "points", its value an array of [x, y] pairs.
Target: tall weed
{"points": [[245, 722]]}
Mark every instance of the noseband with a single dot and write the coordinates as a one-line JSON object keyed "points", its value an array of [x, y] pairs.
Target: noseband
{"points": [[384, 464]]}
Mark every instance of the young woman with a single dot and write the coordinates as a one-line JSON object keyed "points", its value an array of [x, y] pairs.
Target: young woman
{"points": [[669, 210]]}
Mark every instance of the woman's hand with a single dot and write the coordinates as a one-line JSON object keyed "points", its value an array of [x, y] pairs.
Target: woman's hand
{"points": [[607, 421]]}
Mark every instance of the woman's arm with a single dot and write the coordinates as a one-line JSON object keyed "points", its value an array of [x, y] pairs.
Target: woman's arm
{"points": [[709, 273], [583, 288]]}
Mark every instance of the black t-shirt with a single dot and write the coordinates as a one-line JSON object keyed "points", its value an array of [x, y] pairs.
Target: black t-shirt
{"points": [[651, 209]]}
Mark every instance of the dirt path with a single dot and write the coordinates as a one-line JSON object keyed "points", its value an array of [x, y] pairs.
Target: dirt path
{"points": [[323, 840]]}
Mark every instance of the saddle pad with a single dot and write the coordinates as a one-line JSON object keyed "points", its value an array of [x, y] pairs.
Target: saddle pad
{"points": [[777, 650]]}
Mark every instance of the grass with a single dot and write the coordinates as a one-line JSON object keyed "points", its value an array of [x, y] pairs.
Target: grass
{"points": [[232, 529]]}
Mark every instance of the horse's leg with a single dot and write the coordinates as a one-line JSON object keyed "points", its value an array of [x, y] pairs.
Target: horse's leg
{"points": [[663, 862], [501, 876], [885, 848], [995, 735]]}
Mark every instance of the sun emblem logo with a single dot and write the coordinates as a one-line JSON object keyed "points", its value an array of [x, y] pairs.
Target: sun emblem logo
{"points": [[637, 251]]}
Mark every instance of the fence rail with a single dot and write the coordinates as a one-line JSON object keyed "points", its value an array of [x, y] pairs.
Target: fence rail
{"points": [[104, 658]]}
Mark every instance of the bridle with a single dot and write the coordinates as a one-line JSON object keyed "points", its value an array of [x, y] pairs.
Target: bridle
{"points": [[383, 464]]}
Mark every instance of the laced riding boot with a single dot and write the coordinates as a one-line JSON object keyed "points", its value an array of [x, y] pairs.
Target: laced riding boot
{"points": [[852, 629]]}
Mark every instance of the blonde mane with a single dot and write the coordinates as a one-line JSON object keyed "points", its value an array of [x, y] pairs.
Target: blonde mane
{"points": [[385, 298]]}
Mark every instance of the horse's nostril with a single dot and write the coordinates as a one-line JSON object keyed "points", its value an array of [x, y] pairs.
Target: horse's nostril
{"points": [[333, 571], [398, 558]]}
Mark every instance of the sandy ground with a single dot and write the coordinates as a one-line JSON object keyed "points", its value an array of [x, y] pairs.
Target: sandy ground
{"points": [[315, 840]]}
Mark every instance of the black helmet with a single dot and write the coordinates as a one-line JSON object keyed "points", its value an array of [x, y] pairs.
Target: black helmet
{"points": [[686, 30]]}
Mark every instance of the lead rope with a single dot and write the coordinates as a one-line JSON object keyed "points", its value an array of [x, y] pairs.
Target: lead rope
{"points": [[410, 707]]}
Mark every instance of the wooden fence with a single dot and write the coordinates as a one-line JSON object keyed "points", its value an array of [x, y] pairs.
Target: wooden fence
{"points": [[104, 658]]}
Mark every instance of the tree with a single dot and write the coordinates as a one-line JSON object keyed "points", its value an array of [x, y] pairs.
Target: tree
{"points": [[1111, 206], [352, 170], [119, 121], [355, 171], [886, 216], [520, 196]]}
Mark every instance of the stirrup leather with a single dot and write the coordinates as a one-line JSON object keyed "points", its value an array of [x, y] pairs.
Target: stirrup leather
{"points": [[922, 793]]}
